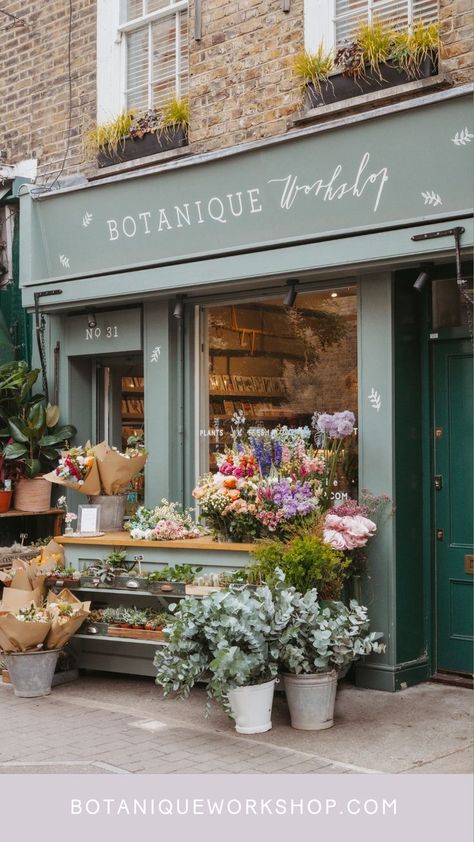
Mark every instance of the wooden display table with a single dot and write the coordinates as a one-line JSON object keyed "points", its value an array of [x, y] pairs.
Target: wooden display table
{"points": [[132, 656]]}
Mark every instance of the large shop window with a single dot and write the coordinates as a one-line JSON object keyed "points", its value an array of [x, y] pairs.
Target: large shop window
{"points": [[280, 365], [335, 21]]}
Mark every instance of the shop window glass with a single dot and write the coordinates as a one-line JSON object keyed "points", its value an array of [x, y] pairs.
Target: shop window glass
{"points": [[451, 305], [279, 365]]}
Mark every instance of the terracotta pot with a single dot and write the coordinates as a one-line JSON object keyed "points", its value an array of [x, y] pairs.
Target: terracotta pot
{"points": [[32, 495], [5, 501]]}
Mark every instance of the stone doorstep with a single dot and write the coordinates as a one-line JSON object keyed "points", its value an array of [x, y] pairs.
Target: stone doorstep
{"points": [[370, 101]]}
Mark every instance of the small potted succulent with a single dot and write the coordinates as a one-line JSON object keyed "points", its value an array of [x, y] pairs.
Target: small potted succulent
{"points": [[320, 641], [172, 581], [63, 577], [99, 574], [125, 577], [132, 136], [229, 640]]}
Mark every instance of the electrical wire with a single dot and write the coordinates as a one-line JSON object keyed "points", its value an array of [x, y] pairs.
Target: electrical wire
{"points": [[69, 119]]}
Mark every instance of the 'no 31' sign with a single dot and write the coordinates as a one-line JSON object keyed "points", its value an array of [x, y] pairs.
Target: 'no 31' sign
{"points": [[116, 330]]}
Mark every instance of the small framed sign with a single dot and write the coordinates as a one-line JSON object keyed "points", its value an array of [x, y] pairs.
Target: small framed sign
{"points": [[88, 521]]}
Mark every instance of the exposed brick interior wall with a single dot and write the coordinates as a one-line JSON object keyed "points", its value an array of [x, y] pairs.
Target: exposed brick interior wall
{"points": [[34, 84], [242, 85]]}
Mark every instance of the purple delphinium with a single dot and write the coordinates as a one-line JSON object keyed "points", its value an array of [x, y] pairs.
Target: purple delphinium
{"points": [[277, 453], [262, 455], [336, 426]]}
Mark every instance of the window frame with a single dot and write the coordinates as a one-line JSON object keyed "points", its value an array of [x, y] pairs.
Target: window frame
{"points": [[320, 24], [112, 58]]}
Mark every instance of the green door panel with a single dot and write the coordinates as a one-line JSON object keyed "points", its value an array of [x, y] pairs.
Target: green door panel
{"points": [[453, 503]]}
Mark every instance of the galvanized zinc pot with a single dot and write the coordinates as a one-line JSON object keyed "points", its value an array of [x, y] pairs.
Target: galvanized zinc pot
{"points": [[112, 511], [31, 673], [252, 707], [311, 699]]}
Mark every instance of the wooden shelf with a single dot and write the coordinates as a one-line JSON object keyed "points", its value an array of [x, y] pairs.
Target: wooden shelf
{"points": [[123, 539], [16, 513]]}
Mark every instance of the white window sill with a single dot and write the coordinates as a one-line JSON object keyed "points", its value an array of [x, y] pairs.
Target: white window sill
{"points": [[140, 163], [372, 100]]}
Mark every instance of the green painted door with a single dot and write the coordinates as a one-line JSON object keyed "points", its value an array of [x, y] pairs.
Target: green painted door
{"points": [[453, 507]]}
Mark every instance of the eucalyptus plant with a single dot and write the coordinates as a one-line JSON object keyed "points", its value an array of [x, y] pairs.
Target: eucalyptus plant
{"points": [[227, 639], [322, 636]]}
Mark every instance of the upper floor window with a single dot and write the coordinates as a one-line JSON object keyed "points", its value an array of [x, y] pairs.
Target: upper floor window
{"points": [[142, 54], [156, 52], [335, 21]]}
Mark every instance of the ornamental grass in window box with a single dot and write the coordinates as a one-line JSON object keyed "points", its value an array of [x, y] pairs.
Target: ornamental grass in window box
{"points": [[377, 58], [131, 136]]}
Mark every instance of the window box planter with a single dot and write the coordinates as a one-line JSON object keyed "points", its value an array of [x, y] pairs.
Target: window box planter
{"points": [[93, 628], [96, 582], [150, 144], [167, 588], [340, 87], [131, 583], [56, 584]]}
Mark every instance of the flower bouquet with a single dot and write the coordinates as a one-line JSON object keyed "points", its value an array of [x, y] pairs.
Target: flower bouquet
{"points": [[267, 482], [77, 469], [162, 523]]}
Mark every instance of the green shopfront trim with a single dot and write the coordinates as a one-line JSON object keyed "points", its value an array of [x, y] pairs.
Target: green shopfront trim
{"points": [[310, 206]]}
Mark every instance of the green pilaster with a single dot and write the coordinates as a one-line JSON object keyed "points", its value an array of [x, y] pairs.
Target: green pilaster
{"points": [[376, 469]]}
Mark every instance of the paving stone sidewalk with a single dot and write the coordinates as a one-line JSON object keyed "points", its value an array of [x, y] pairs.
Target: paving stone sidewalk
{"points": [[103, 724]]}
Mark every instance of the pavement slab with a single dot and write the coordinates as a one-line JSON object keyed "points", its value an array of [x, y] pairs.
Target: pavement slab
{"points": [[124, 725]]}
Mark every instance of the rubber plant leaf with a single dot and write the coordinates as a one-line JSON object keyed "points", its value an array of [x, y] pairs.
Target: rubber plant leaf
{"points": [[16, 430]]}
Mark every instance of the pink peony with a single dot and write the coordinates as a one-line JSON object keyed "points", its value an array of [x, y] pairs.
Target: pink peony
{"points": [[334, 539]]}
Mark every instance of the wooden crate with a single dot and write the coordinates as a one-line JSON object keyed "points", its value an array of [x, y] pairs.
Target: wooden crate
{"points": [[135, 634]]}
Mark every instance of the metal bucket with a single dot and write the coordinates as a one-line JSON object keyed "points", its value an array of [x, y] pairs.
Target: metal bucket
{"points": [[252, 707], [31, 673], [112, 511], [311, 700]]}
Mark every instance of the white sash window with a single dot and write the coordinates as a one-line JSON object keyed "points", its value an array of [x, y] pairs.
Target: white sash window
{"points": [[335, 21], [142, 54]]}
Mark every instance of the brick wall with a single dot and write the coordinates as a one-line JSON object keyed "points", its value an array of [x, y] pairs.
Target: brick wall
{"points": [[241, 82], [34, 83], [457, 34]]}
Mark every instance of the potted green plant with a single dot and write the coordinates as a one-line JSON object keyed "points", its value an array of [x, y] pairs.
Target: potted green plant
{"points": [[172, 580], [99, 574], [35, 446], [377, 57], [306, 562], [63, 577], [229, 640], [320, 641], [125, 577], [10, 472], [132, 136]]}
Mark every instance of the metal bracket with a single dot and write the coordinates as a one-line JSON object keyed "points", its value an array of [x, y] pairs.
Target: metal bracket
{"points": [[39, 333], [449, 232], [285, 5], [197, 20]]}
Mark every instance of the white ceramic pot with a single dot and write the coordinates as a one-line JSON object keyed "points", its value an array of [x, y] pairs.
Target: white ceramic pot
{"points": [[252, 707], [311, 699]]}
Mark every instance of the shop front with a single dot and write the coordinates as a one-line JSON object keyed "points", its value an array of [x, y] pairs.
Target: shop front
{"points": [[270, 282]]}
